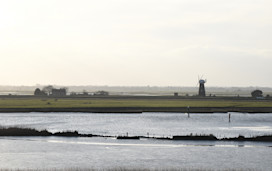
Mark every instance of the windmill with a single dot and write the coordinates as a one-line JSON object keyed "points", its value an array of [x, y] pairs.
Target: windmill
{"points": [[201, 91]]}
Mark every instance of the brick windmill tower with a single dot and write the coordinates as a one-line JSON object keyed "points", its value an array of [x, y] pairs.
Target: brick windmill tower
{"points": [[201, 91]]}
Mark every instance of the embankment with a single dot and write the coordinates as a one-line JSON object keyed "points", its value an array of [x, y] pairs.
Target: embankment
{"points": [[141, 109]]}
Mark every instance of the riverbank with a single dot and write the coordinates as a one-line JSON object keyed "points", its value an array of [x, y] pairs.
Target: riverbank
{"points": [[141, 109], [15, 131]]}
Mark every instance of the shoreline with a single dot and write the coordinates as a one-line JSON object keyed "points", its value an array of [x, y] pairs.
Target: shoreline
{"points": [[140, 109], [30, 132]]}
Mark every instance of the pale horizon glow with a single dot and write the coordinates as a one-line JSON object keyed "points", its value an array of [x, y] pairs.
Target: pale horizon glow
{"points": [[136, 42]]}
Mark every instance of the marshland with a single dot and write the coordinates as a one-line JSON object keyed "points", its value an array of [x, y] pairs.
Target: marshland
{"points": [[134, 104]]}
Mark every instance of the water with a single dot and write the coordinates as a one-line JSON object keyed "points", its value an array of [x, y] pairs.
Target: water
{"points": [[61, 153], [157, 124]]}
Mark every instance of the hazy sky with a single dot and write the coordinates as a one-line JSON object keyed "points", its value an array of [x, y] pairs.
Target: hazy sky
{"points": [[136, 42]]}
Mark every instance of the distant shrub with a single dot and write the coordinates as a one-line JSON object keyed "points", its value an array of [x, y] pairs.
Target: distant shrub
{"points": [[257, 93]]}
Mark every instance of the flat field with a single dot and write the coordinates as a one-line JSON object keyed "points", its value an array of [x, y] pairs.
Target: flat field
{"points": [[105, 102]]}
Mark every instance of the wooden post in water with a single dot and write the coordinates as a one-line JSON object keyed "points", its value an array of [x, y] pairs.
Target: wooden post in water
{"points": [[229, 117], [188, 111]]}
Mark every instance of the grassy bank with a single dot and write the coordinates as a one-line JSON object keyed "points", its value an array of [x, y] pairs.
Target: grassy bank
{"points": [[100, 102], [131, 104], [126, 169]]}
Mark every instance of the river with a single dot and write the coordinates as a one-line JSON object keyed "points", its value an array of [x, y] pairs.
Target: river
{"points": [[108, 153]]}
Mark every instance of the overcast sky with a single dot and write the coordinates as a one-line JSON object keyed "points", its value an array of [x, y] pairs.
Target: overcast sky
{"points": [[136, 42]]}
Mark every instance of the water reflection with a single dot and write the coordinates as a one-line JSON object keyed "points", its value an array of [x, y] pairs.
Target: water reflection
{"points": [[107, 153]]}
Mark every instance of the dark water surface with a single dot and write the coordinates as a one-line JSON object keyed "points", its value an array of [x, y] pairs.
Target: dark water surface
{"points": [[61, 153]]}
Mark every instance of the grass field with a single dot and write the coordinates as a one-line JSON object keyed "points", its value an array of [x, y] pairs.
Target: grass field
{"points": [[61, 103]]}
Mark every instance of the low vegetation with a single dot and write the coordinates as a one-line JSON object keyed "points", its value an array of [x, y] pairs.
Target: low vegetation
{"points": [[75, 103], [16, 131], [113, 169]]}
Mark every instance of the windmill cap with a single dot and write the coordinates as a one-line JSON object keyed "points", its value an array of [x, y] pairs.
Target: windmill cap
{"points": [[201, 81]]}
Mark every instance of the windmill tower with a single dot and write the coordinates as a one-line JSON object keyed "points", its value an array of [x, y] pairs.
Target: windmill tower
{"points": [[201, 91]]}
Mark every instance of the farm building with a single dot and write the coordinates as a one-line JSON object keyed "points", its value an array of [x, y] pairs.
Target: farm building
{"points": [[58, 92]]}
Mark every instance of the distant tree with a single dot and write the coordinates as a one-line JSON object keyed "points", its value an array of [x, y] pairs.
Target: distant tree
{"points": [[48, 89], [257, 93], [38, 92]]}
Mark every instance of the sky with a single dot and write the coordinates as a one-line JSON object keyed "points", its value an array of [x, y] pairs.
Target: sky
{"points": [[136, 42]]}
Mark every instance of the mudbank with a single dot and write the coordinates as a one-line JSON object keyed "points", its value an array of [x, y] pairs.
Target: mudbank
{"points": [[15, 131], [195, 137]]}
